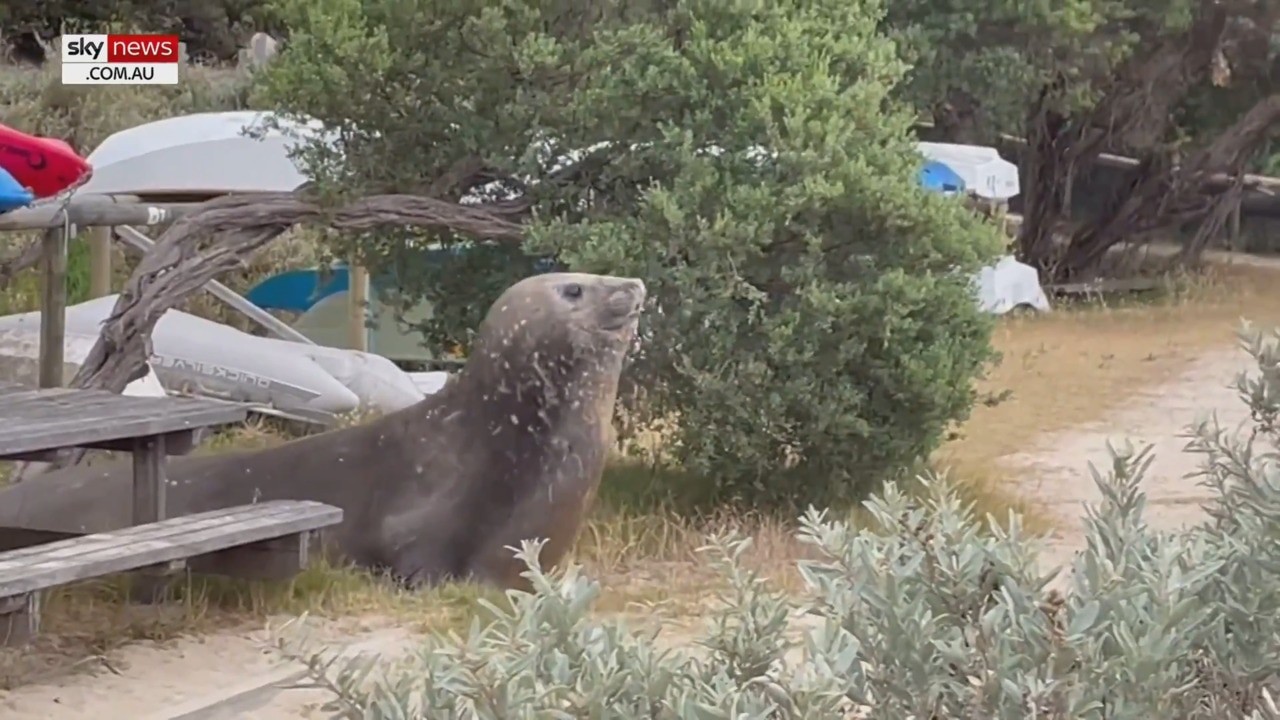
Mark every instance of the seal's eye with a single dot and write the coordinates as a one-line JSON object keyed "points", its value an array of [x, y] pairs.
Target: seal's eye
{"points": [[573, 291]]}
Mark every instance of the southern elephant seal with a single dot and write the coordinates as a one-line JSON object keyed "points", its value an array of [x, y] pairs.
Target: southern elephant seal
{"points": [[512, 450]]}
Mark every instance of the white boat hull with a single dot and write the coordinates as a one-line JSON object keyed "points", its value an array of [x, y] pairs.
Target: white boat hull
{"points": [[192, 355]]}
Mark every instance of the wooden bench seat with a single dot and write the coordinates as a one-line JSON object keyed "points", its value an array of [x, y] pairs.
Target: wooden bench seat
{"points": [[265, 540]]}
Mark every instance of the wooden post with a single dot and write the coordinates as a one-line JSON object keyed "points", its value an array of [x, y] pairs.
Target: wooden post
{"points": [[357, 306], [99, 262], [150, 585], [149, 482], [53, 307]]}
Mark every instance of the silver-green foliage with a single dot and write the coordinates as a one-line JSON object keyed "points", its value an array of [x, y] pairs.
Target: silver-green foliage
{"points": [[929, 615]]}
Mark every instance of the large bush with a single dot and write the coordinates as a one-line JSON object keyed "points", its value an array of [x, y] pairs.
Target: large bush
{"points": [[926, 616], [812, 329]]}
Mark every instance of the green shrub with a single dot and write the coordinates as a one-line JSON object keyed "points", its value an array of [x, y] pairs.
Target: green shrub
{"points": [[812, 328], [924, 616]]}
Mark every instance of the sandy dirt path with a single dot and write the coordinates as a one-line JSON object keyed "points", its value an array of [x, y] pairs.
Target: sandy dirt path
{"points": [[220, 677], [1055, 474]]}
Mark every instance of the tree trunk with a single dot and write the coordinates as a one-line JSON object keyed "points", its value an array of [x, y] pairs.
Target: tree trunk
{"points": [[1167, 193], [1133, 114], [1044, 179]]}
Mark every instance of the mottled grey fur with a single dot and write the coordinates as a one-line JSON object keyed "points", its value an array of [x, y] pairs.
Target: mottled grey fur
{"points": [[513, 449]]}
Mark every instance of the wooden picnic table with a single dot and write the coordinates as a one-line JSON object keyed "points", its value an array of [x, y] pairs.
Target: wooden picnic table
{"points": [[40, 424], [267, 540]]}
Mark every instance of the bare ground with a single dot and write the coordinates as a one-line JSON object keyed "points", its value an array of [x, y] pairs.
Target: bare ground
{"points": [[211, 677], [1054, 472]]}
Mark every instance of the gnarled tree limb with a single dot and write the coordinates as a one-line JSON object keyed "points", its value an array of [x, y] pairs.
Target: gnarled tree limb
{"points": [[222, 235]]}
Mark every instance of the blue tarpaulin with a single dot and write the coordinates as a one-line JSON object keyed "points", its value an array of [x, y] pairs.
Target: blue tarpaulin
{"points": [[938, 177]]}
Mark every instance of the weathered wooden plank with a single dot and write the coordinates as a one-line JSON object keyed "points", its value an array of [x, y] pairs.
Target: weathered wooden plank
{"points": [[35, 421], [44, 406], [275, 559], [148, 480], [92, 211], [170, 529], [31, 569], [39, 411], [99, 261], [59, 397], [9, 389], [57, 404], [115, 406], [33, 400]]}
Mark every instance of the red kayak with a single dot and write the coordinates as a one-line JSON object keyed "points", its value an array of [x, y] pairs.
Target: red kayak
{"points": [[45, 165]]}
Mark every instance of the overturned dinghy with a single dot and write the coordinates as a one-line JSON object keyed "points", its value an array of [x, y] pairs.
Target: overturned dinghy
{"points": [[192, 355], [20, 361]]}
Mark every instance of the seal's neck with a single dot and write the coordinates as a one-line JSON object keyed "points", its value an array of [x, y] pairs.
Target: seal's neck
{"points": [[542, 394]]}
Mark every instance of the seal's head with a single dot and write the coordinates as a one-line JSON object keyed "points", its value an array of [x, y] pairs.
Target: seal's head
{"points": [[549, 329]]}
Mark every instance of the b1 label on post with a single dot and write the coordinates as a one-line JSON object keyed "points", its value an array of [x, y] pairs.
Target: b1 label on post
{"points": [[120, 59]]}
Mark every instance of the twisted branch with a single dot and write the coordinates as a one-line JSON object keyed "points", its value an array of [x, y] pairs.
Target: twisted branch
{"points": [[278, 211], [221, 236]]}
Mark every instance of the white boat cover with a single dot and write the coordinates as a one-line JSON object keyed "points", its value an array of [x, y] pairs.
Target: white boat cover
{"points": [[984, 172]]}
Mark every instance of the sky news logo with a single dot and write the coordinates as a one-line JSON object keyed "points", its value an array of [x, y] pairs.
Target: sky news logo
{"points": [[120, 59]]}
